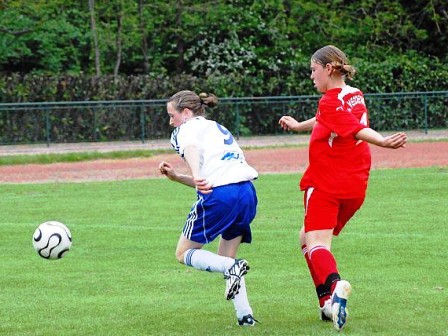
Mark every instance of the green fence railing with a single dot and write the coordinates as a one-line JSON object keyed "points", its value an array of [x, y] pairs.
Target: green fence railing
{"points": [[92, 121]]}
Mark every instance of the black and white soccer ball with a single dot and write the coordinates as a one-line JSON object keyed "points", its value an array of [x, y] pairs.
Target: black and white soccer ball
{"points": [[52, 240]]}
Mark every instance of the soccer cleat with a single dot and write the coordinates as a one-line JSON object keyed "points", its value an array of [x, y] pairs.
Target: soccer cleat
{"points": [[339, 304], [247, 321], [233, 277], [325, 311]]}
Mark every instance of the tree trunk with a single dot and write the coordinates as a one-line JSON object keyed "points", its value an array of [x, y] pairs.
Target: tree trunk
{"points": [[118, 41], [180, 44], [144, 37], [95, 37]]}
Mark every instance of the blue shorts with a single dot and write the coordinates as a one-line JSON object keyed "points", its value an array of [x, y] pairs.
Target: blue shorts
{"points": [[227, 211]]}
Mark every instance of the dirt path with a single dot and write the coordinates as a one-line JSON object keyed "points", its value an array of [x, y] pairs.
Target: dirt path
{"points": [[273, 160]]}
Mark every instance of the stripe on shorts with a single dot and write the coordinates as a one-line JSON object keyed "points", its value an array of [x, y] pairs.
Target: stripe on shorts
{"points": [[188, 228], [203, 223], [309, 192]]}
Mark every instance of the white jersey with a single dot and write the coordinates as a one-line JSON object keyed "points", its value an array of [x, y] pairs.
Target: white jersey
{"points": [[222, 161]]}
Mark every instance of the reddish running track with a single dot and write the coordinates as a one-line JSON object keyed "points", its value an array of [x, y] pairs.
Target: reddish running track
{"points": [[277, 160]]}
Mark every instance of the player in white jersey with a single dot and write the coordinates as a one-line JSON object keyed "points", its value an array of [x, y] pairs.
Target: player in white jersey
{"points": [[226, 198]]}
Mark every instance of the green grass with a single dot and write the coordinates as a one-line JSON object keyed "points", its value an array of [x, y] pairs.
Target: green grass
{"points": [[121, 277], [8, 160]]}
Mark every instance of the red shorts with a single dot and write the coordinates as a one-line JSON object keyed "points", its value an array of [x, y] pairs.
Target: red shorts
{"points": [[324, 211]]}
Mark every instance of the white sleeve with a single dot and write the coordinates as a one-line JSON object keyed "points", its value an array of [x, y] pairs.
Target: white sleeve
{"points": [[187, 135]]}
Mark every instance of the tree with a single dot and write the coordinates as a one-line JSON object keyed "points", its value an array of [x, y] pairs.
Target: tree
{"points": [[119, 18], [42, 36], [260, 47], [95, 37], [144, 36]]}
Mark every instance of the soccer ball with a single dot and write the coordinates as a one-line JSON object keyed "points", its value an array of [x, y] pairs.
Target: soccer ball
{"points": [[52, 240]]}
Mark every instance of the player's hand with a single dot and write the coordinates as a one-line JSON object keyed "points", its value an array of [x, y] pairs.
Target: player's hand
{"points": [[288, 123], [395, 141], [167, 169], [202, 185]]}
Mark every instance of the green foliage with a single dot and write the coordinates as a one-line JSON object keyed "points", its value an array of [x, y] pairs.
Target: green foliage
{"points": [[262, 39], [43, 37], [121, 277], [234, 48]]}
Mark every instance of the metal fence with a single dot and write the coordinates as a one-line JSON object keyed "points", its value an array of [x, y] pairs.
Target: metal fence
{"points": [[92, 121]]}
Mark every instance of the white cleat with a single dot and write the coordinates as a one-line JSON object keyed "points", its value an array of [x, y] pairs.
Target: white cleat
{"points": [[233, 277], [339, 304]]}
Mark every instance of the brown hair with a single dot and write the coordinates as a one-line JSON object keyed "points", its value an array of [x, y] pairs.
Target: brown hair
{"points": [[192, 101], [336, 57]]}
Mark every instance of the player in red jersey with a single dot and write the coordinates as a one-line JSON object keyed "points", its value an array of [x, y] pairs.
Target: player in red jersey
{"points": [[335, 181]]}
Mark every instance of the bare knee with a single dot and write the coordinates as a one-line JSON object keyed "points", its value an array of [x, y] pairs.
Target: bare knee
{"points": [[319, 237], [302, 236], [180, 256], [183, 245]]}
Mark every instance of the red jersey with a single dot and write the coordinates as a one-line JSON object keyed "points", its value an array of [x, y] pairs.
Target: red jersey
{"points": [[339, 163]]}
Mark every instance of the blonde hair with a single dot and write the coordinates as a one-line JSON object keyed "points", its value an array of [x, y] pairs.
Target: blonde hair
{"points": [[192, 101], [336, 57]]}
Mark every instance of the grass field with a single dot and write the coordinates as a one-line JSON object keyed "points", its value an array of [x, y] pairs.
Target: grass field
{"points": [[121, 277], [9, 160]]}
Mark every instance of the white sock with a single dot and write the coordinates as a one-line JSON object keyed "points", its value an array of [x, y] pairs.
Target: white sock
{"points": [[207, 261], [241, 302]]}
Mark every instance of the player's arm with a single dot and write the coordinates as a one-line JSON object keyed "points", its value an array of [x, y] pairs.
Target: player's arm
{"points": [[288, 123], [168, 170], [394, 141], [192, 156]]}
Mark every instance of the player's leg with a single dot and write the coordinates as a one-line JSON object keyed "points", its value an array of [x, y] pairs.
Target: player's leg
{"points": [[236, 273], [342, 289], [334, 214], [229, 248], [324, 267], [321, 258], [323, 293], [202, 226], [190, 253], [321, 214], [184, 244], [239, 232]]}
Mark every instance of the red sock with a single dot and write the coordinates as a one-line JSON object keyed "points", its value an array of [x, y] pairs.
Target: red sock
{"points": [[310, 266], [323, 294], [324, 266]]}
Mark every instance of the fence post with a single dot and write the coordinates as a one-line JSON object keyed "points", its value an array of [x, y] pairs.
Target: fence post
{"points": [[237, 121], [47, 127], [425, 104], [142, 123], [95, 126]]}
